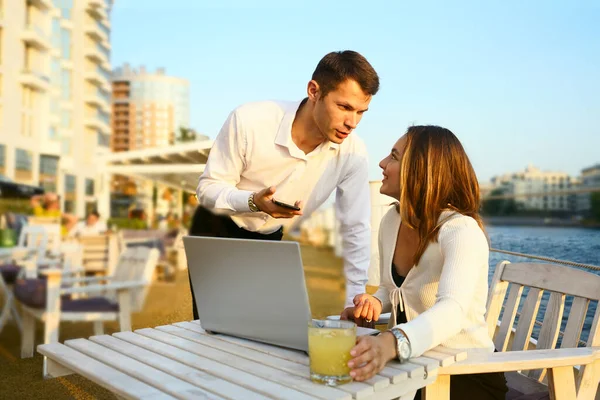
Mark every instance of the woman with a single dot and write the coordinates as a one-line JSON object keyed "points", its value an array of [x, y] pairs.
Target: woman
{"points": [[433, 262]]}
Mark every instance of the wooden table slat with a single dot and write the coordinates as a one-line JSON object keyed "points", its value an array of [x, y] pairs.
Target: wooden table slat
{"points": [[431, 366], [443, 359], [413, 370], [301, 384], [357, 389], [100, 373], [394, 375], [152, 376], [181, 371], [184, 361], [287, 354], [198, 360], [459, 355], [297, 356]]}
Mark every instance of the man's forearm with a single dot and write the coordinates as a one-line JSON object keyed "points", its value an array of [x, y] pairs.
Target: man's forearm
{"points": [[221, 196], [353, 288]]}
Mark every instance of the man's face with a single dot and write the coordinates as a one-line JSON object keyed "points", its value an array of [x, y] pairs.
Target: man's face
{"points": [[91, 220], [339, 112]]}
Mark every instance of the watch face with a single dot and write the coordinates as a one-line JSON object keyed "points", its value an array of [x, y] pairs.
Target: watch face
{"points": [[404, 350]]}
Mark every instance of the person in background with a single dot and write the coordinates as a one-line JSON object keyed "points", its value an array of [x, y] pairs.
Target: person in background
{"points": [[433, 263], [48, 206], [296, 153], [90, 227]]}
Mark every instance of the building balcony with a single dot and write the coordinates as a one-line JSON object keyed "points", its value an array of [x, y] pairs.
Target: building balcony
{"points": [[99, 77], [97, 52], [36, 37], [41, 4], [35, 80], [103, 4], [98, 98], [95, 123], [98, 120], [101, 14], [96, 30]]}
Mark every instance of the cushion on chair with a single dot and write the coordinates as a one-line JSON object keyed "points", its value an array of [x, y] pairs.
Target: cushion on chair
{"points": [[515, 395], [91, 304], [32, 293], [9, 273]]}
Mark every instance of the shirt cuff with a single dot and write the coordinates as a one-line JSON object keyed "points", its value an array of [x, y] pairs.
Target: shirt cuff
{"points": [[351, 291], [239, 200]]}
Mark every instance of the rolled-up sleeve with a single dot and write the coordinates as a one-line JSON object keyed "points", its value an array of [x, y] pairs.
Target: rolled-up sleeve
{"points": [[217, 184], [353, 207]]}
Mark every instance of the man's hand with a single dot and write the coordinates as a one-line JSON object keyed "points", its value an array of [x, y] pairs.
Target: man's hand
{"points": [[264, 202]]}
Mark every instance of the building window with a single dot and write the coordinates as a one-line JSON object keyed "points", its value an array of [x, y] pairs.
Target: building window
{"points": [[55, 71], [56, 33], [89, 187], [65, 43], [2, 156], [66, 146], [65, 89], [48, 165], [52, 133], [48, 172], [24, 160], [65, 7], [70, 186], [65, 119]]}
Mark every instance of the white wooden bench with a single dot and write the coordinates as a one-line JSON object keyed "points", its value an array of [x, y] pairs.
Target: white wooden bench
{"points": [[549, 368], [183, 361]]}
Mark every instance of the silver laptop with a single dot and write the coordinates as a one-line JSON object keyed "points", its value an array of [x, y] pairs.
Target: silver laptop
{"points": [[254, 289]]}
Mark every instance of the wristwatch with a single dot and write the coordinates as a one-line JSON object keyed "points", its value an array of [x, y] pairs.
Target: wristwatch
{"points": [[251, 204], [403, 348]]}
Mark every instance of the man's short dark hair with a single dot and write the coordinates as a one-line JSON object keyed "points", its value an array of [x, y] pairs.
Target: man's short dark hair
{"points": [[338, 66], [94, 213]]}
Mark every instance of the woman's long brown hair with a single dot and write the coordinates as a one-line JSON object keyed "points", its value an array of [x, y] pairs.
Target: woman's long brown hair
{"points": [[435, 175]]}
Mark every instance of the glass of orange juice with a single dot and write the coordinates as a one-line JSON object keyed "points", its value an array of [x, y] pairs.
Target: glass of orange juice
{"points": [[329, 345]]}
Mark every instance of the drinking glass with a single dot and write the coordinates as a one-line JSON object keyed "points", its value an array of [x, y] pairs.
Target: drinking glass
{"points": [[329, 345]]}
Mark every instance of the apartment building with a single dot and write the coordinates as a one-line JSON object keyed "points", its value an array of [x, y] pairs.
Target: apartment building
{"points": [[590, 179], [55, 95], [534, 189], [148, 110]]}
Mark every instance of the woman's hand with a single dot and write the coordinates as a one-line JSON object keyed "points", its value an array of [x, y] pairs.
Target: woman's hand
{"points": [[370, 355], [348, 314], [366, 310]]}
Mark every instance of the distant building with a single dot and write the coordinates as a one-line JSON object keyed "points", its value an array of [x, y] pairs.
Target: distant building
{"points": [[590, 178], [55, 96], [485, 188], [148, 108], [534, 189]]}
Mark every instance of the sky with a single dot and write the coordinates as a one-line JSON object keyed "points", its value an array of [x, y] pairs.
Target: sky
{"points": [[518, 82]]}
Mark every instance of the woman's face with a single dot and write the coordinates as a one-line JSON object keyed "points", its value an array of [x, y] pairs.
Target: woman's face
{"points": [[390, 165]]}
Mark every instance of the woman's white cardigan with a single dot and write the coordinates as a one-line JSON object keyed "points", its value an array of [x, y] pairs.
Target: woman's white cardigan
{"points": [[444, 296]]}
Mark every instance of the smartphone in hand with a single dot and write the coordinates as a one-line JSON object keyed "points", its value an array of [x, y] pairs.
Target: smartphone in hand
{"points": [[290, 206]]}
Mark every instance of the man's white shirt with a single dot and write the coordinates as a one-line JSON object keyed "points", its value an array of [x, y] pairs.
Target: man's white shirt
{"points": [[255, 150]]}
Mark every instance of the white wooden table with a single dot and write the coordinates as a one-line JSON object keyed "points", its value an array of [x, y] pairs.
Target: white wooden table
{"points": [[183, 361]]}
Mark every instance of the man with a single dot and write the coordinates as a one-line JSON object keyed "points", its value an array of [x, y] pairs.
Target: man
{"points": [[296, 153], [90, 227]]}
